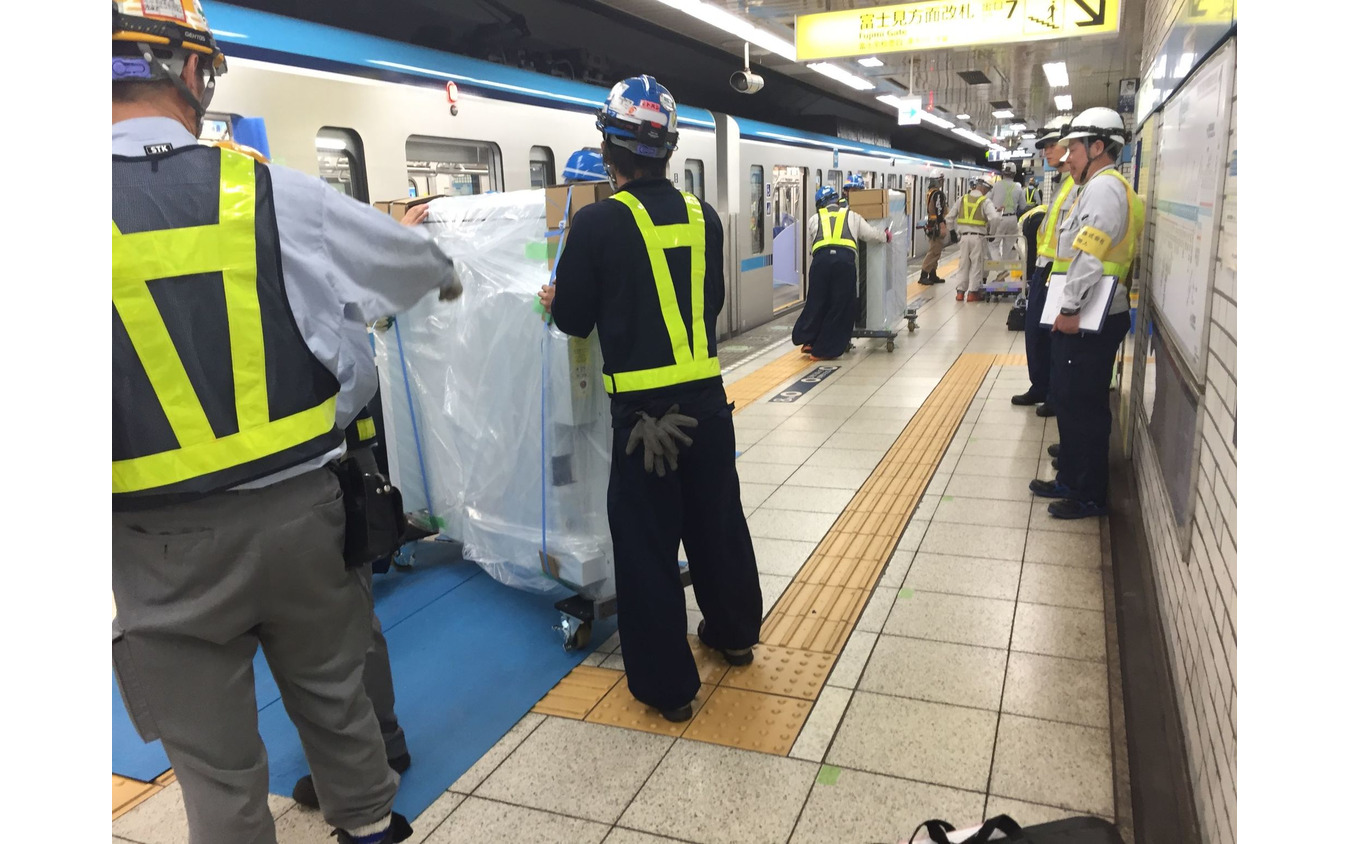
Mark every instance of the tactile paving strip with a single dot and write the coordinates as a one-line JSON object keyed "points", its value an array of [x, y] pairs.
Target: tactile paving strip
{"points": [[620, 709], [820, 607], [127, 794], [750, 720], [782, 671], [577, 693], [754, 386], [1010, 360]]}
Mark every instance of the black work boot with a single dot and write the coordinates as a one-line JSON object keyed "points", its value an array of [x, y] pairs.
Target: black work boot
{"points": [[399, 830], [304, 793]]}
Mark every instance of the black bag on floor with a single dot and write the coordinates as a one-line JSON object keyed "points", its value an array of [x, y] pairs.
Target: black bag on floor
{"points": [[1017, 318], [1083, 830]]}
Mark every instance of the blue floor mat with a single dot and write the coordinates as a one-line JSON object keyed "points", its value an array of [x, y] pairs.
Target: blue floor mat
{"points": [[469, 657]]}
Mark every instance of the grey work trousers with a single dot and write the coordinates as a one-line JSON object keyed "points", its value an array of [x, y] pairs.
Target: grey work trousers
{"points": [[199, 586], [379, 679]]}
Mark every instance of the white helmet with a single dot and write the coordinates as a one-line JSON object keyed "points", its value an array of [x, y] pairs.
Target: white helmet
{"points": [[1098, 122], [1050, 134]]}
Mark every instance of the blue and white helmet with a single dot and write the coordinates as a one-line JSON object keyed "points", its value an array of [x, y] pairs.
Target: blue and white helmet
{"points": [[826, 195], [585, 165], [854, 182], [639, 115]]}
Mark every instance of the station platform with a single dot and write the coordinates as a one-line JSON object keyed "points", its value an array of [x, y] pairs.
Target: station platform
{"points": [[934, 645]]}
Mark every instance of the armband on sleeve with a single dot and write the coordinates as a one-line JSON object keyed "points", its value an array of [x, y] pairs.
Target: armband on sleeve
{"points": [[1095, 242]]}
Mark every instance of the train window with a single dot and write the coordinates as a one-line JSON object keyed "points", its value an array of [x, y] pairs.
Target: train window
{"points": [[818, 179], [342, 161], [541, 167], [693, 177], [215, 127], [757, 201], [448, 166], [892, 181], [835, 179]]}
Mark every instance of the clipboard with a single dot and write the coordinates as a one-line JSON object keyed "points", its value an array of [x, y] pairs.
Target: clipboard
{"points": [[1092, 314]]}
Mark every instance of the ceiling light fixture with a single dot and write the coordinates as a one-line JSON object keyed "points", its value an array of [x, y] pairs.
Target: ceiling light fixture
{"points": [[838, 74], [1057, 74], [741, 28], [1004, 113], [892, 100], [871, 61], [935, 120], [1064, 102], [963, 117]]}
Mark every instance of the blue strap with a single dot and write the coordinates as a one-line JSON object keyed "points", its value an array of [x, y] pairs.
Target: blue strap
{"points": [[412, 413]]}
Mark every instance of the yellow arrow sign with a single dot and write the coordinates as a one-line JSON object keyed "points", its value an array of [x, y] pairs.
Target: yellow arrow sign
{"points": [[935, 24]]}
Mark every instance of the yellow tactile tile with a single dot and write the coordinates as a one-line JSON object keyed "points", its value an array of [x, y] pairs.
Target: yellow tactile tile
{"points": [[127, 794], [712, 666], [750, 720], [782, 671], [166, 779], [757, 384], [1010, 360], [578, 693], [620, 709]]}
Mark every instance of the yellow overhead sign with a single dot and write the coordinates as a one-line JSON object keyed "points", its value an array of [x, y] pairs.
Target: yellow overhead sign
{"points": [[935, 24]]}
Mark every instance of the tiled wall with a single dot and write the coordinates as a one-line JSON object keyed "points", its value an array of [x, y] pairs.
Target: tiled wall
{"points": [[1197, 592]]}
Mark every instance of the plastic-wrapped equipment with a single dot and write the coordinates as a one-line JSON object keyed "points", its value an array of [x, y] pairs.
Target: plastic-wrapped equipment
{"points": [[499, 423]]}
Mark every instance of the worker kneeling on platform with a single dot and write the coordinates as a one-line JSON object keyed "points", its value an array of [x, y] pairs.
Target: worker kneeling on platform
{"points": [[644, 269], [971, 218], [826, 322]]}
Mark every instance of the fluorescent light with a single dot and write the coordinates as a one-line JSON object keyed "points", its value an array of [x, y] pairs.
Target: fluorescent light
{"points": [[892, 100], [838, 74], [1057, 74], [971, 136], [935, 120], [330, 144], [1016, 127], [1064, 102], [871, 61], [963, 117], [1004, 113], [741, 28], [1028, 135]]}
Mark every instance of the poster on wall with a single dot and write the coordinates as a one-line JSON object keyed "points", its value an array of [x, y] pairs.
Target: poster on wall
{"points": [[1188, 176], [1128, 89]]}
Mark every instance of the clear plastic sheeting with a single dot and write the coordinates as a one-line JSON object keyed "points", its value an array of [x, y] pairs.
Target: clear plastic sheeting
{"points": [[499, 424]]}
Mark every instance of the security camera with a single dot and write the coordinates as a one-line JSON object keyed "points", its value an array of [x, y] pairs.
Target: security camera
{"points": [[746, 82]]}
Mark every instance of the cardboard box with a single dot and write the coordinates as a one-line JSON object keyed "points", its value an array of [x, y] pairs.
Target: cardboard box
{"points": [[555, 202], [396, 208]]}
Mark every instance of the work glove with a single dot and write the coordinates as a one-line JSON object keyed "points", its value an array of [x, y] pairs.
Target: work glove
{"points": [[660, 439], [452, 288]]}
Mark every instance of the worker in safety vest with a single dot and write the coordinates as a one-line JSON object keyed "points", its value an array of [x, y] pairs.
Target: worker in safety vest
{"points": [[1097, 239], [825, 325], [971, 217], [936, 229], [1040, 253], [644, 269], [1008, 201], [241, 292]]}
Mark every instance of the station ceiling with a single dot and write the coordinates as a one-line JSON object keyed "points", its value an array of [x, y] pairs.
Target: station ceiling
{"points": [[602, 41]]}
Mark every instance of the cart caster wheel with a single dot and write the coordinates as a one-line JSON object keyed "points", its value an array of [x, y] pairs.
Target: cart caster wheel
{"points": [[913, 325], [575, 632], [890, 345]]}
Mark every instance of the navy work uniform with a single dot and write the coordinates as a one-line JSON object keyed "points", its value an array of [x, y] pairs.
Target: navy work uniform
{"points": [[240, 296], [1097, 238], [1045, 237], [831, 309], [644, 269]]}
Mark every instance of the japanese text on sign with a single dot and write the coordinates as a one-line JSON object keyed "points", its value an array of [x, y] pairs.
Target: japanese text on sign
{"points": [[943, 23]]}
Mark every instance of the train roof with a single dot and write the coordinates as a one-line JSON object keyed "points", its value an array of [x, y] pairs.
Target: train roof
{"points": [[248, 33]]}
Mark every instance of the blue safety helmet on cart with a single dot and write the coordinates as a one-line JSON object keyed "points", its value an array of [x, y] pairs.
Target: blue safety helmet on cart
{"points": [[585, 165], [639, 115], [854, 182], [826, 195]]}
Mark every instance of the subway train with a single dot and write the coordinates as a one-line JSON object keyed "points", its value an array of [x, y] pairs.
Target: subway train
{"points": [[380, 120]]}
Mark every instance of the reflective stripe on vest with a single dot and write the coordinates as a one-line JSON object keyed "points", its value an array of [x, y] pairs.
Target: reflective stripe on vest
{"points": [[214, 425], [1119, 256], [968, 210], [1048, 238], [833, 230], [935, 216], [690, 364]]}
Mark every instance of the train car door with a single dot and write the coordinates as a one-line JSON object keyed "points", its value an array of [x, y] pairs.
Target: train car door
{"points": [[789, 228]]}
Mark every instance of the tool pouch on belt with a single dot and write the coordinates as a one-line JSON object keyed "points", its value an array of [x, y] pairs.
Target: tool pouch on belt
{"points": [[374, 508]]}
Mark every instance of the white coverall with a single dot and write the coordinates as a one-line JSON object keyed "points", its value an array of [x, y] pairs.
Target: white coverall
{"points": [[1009, 201]]}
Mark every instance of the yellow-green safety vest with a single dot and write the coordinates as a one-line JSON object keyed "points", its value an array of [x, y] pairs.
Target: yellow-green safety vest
{"points": [[213, 384], [833, 230], [692, 362], [1049, 231], [1116, 257], [968, 209]]}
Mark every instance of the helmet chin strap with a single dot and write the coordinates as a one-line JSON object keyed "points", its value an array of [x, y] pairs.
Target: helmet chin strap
{"points": [[1083, 178]]}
